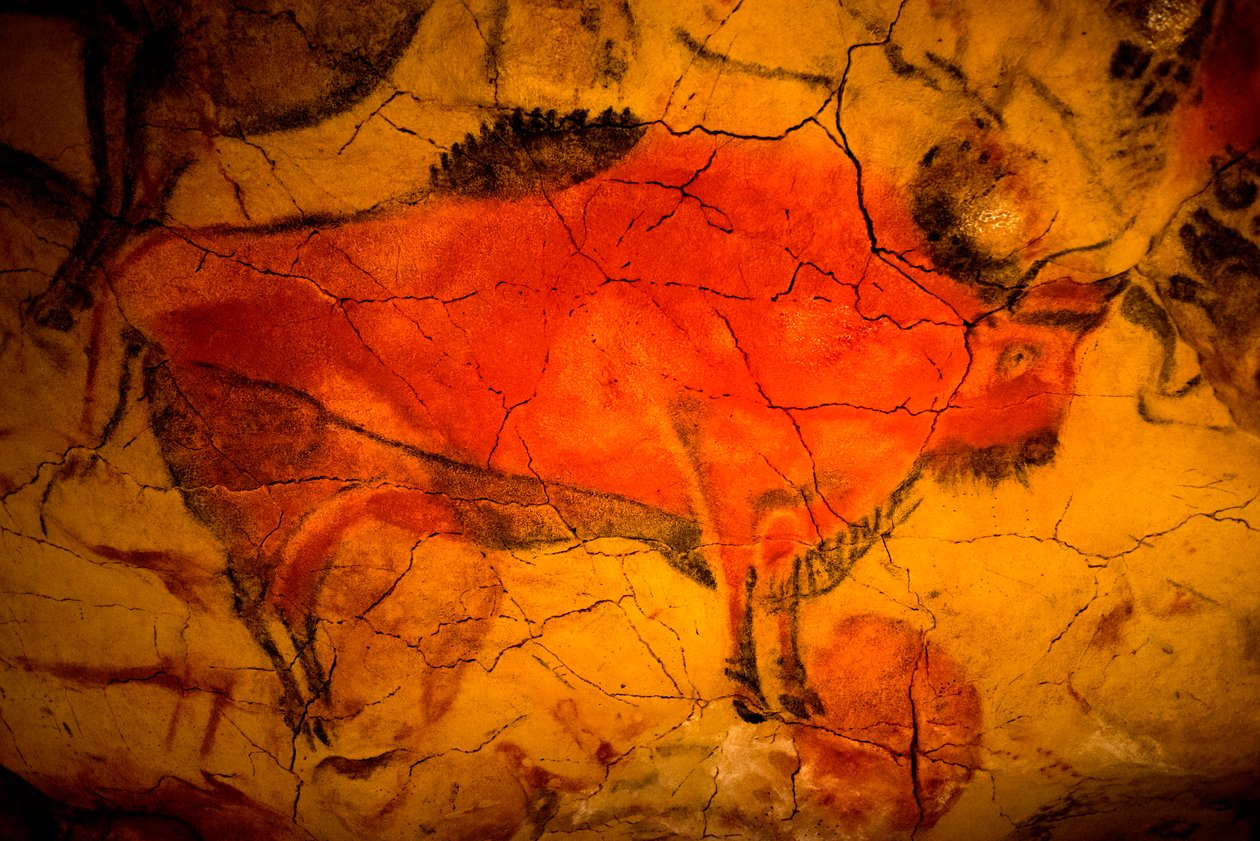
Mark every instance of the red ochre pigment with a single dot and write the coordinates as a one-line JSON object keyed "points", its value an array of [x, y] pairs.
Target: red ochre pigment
{"points": [[703, 328]]}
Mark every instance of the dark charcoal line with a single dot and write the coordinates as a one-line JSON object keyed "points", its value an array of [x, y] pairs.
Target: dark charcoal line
{"points": [[761, 71]]}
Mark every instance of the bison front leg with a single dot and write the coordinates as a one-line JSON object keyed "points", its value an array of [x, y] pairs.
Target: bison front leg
{"points": [[784, 537], [798, 697], [740, 575], [761, 578], [760, 573]]}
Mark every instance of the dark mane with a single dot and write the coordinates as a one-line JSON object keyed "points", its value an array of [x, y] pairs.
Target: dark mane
{"points": [[523, 154]]}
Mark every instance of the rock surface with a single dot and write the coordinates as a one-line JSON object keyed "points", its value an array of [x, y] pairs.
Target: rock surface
{"points": [[537, 419]]}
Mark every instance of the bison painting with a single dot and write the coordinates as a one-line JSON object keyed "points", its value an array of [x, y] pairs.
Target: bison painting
{"points": [[591, 328]]}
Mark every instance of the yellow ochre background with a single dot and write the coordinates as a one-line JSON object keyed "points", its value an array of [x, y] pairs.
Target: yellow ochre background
{"points": [[1106, 612]]}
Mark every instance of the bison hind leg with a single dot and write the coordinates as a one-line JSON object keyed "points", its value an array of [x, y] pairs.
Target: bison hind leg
{"points": [[317, 682], [299, 661]]}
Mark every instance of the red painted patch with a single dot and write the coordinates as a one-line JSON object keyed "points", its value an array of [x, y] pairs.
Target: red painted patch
{"points": [[1223, 115], [901, 733]]}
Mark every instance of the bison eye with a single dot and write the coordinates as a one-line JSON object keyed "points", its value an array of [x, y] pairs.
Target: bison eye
{"points": [[1015, 360]]}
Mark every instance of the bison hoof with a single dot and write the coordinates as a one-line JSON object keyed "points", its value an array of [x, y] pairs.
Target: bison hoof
{"points": [[747, 713], [805, 705], [745, 678]]}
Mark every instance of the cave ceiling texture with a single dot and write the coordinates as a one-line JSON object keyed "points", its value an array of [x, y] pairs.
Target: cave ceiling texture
{"points": [[629, 419]]}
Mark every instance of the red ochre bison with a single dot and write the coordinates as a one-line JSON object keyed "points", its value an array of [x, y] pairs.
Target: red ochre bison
{"points": [[699, 347]]}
